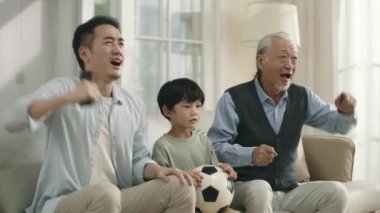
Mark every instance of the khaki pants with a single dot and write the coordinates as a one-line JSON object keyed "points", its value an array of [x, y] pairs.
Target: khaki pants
{"points": [[317, 196], [153, 196]]}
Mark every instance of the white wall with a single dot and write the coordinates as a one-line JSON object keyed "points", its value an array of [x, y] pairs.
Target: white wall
{"points": [[35, 46], [35, 39], [25, 48], [237, 62]]}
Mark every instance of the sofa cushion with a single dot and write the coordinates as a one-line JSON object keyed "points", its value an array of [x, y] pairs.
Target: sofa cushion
{"points": [[302, 170], [363, 196], [18, 186], [20, 161], [329, 157]]}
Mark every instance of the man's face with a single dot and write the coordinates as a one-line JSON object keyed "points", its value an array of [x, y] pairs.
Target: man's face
{"points": [[278, 65], [106, 56]]}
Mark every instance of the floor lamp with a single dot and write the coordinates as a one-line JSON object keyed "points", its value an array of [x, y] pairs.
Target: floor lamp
{"points": [[264, 18]]}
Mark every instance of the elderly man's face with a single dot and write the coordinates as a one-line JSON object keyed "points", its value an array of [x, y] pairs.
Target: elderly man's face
{"points": [[278, 65]]}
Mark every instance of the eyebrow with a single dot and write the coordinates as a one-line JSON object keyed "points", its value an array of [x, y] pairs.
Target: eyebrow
{"points": [[113, 38]]}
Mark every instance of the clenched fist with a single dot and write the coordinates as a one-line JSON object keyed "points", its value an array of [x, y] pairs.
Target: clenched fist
{"points": [[345, 103], [263, 155]]}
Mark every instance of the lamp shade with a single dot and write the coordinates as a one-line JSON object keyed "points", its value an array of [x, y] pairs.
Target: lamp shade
{"points": [[266, 18]]}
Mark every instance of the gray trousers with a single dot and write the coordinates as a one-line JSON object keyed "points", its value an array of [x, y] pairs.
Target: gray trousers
{"points": [[317, 196], [153, 196]]}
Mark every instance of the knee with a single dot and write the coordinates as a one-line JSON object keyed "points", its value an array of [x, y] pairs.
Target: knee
{"points": [[259, 190], [261, 185], [181, 191], [107, 194], [338, 191], [253, 196]]}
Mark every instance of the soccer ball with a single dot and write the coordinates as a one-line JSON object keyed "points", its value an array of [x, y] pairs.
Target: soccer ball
{"points": [[216, 192]]}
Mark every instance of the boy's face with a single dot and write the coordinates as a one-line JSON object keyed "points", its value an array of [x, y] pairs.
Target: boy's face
{"points": [[184, 114]]}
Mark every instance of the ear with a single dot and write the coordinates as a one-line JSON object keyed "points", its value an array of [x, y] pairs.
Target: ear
{"points": [[167, 112], [84, 53], [260, 61]]}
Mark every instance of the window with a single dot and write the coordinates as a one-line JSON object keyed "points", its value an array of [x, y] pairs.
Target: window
{"points": [[169, 42], [102, 7], [359, 74]]}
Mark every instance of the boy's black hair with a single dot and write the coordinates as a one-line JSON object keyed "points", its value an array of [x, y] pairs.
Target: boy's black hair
{"points": [[84, 34], [175, 91]]}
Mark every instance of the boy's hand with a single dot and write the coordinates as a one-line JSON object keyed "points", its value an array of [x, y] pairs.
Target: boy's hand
{"points": [[232, 175]]}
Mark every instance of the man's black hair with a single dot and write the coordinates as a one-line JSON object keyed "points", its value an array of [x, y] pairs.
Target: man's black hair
{"points": [[175, 91], [84, 34]]}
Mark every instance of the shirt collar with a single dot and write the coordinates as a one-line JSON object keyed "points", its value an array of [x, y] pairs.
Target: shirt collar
{"points": [[263, 96], [117, 96]]}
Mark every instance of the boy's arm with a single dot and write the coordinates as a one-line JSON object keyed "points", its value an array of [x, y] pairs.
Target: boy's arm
{"points": [[158, 155], [213, 157]]}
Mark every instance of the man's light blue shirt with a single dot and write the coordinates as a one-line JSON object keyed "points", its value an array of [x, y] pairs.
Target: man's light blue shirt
{"points": [[223, 131], [72, 136]]}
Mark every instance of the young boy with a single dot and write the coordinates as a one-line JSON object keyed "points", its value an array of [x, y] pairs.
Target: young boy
{"points": [[183, 147]]}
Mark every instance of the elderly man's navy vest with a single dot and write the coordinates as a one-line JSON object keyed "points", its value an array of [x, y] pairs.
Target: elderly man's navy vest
{"points": [[254, 129]]}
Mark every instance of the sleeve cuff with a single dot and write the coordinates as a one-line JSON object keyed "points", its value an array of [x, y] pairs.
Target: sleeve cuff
{"points": [[246, 156], [139, 170], [33, 124]]}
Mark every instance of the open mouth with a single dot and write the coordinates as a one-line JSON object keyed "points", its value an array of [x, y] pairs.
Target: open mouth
{"points": [[286, 75], [116, 62]]}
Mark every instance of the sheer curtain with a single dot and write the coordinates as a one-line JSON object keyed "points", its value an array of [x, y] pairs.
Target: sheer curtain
{"points": [[169, 45], [358, 72]]}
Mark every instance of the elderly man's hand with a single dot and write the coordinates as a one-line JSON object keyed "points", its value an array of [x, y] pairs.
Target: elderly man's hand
{"points": [[345, 103], [263, 155]]}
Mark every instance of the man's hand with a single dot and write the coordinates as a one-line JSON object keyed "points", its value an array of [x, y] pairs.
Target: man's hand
{"points": [[263, 155], [154, 171], [86, 91], [345, 103], [197, 177], [232, 175]]}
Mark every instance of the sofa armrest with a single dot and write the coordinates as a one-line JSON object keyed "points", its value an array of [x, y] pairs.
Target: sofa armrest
{"points": [[329, 157]]}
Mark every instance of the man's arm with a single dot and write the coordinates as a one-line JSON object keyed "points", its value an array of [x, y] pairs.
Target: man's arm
{"points": [[154, 171], [224, 131], [40, 108], [324, 116], [29, 111], [86, 90]]}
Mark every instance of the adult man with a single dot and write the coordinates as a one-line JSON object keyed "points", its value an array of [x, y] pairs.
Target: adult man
{"points": [[257, 128], [95, 152]]}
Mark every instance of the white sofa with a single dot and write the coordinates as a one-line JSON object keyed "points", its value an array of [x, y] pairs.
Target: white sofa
{"points": [[325, 158]]}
